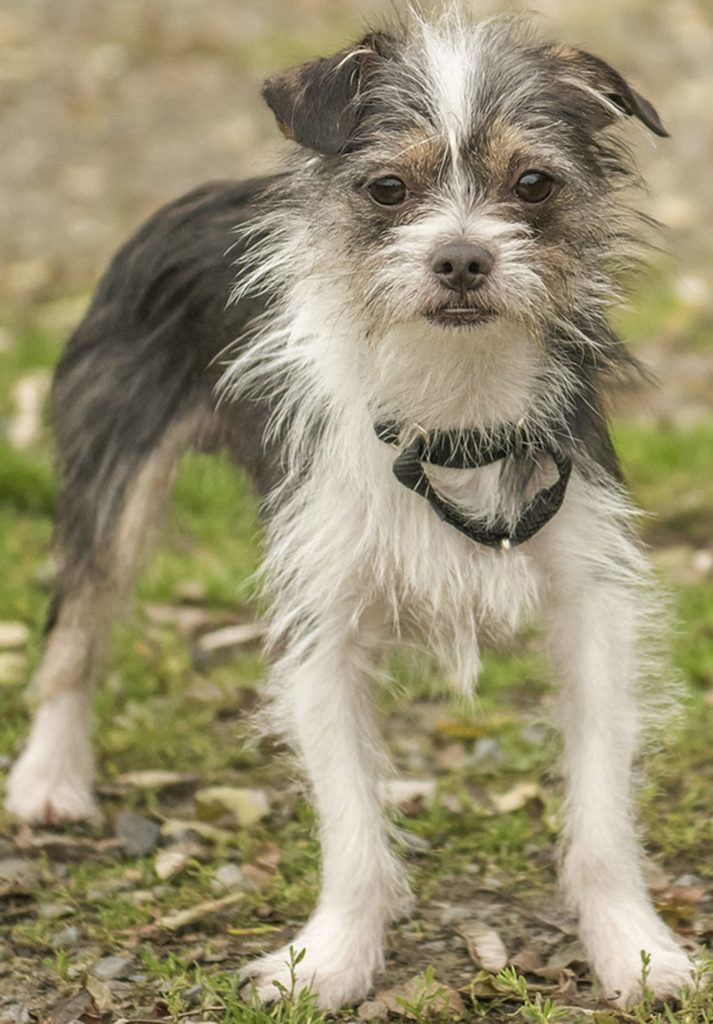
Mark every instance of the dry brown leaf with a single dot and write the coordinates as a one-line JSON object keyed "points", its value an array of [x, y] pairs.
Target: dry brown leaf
{"points": [[528, 961], [80, 1006], [100, 993], [485, 946], [181, 918]]}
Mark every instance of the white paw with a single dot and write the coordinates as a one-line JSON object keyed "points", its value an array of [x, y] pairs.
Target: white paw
{"points": [[52, 780], [338, 963], [615, 951]]}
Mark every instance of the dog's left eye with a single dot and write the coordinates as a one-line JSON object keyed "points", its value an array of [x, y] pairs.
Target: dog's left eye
{"points": [[388, 191], [534, 187]]}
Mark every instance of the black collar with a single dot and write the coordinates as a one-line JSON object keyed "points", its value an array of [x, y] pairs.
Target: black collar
{"points": [[472, 449]]}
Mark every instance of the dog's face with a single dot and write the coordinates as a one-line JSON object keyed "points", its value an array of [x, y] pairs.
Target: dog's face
{"points": [[462, 174]]}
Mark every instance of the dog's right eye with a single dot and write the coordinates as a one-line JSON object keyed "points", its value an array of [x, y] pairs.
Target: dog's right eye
{"points": [[388, 191]]}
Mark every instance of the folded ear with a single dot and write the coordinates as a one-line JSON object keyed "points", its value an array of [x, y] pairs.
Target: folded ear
{"points": [[595, 79], [318, 104]]}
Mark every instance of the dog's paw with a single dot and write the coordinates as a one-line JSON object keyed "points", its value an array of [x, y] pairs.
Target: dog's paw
{"points": [[52, 780], [40, 799], [337, 963], [616, 954]]}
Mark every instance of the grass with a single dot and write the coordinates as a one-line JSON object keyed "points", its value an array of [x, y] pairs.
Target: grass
{"points": [[163, 705]]}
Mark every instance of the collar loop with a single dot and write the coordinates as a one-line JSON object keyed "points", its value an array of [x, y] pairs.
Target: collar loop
{"points": [[473, 449]]}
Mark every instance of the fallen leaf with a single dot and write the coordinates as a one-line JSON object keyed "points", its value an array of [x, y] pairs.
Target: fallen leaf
{"points": [[178, 828], [528, 961], [410, 794], [181, 918], [80, 1006], [13, 635], [187, 620], [247, 806], [232, 636], [485, 947], [269, 857], [29, 394], [256, 929], [100, 993], [154, 778], [569, 957], [65, 847], [168, 863], [517, 797]]}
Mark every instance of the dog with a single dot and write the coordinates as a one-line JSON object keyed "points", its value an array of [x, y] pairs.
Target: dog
{"points": [[413, 367]]}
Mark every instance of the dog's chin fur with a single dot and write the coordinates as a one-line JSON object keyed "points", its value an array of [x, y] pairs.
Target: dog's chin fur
{"points": [[335, 316]]}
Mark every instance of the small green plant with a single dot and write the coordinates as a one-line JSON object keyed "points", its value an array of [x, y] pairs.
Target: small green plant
{"points": [[295, 1006], [537, 1011], [693, 1006], [430, 1001]]}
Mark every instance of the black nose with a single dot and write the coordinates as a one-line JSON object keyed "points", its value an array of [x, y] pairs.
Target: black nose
{"points": [[462, 266]]}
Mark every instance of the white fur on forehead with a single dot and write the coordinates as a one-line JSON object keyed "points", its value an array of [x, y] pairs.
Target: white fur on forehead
{"points": [[453, 58]]}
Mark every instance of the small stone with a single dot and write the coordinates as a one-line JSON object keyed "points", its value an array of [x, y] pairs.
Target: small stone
{"points": [[15, 1013], [536, 733], [56, 910], [374, 1009], [70, 936], [689, 880], [140, 835], [192, 996], [112, 968], [230, 876], [18, 871], [487, 748], [142, 896]]}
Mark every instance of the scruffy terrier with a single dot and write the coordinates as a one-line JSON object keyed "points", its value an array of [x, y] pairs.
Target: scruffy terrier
{"points": [[413, 369]]}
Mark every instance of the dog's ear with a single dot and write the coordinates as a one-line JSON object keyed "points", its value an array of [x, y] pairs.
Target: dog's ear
{"points": [[598, 81], [318, 104]]}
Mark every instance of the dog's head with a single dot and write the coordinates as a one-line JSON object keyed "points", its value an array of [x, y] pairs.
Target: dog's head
{"points": [[462, 173]]}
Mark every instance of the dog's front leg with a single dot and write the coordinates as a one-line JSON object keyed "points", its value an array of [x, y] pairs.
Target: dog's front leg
{"points": [[323, 702], [594, 633]]}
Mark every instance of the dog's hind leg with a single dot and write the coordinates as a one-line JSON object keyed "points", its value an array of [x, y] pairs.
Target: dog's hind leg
{"points": [[52, 780], [133, 389]]}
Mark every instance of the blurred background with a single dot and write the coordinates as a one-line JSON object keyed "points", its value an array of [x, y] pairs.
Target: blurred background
{"points": [[110, 107]]}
